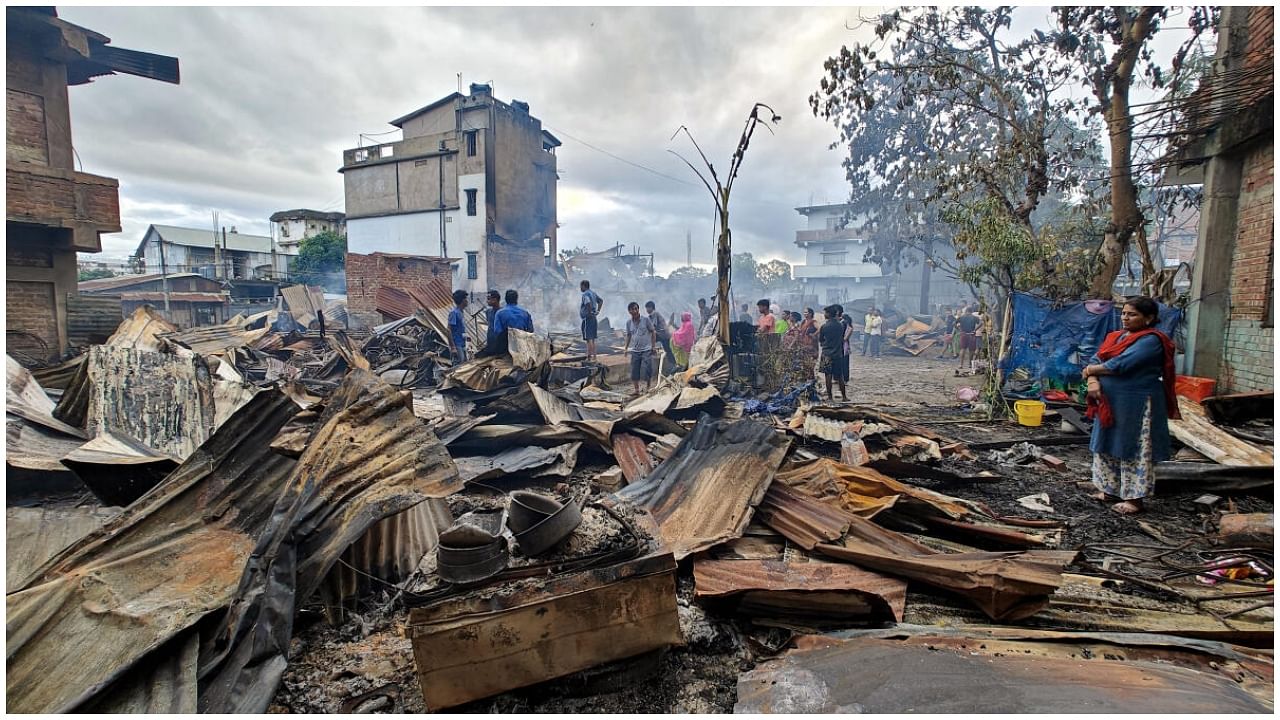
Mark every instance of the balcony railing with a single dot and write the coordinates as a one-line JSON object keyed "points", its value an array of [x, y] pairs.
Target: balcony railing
{"points": [[808, 236], [848, 270]]}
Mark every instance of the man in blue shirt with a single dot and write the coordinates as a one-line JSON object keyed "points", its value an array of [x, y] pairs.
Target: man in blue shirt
{"points": [[588, 308], [510, 316], [457, 338]]}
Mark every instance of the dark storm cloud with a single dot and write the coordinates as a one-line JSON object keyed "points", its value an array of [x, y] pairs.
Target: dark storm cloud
{"points": [[271, 96]]}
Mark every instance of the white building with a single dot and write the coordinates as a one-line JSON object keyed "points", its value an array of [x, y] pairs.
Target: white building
{"points": [[473, 178], [169, 249], [835, 270], [291, 227]]}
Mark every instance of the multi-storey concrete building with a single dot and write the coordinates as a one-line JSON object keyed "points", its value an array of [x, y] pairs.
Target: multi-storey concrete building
{"points": [[834, 270], [473, 178], [291, 227], [51, 210]]}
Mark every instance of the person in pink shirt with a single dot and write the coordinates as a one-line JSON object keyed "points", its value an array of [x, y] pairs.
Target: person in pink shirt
{"points": [[766, 323]]}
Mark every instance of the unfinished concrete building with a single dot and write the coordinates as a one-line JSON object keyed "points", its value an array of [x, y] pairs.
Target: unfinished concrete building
{"points": [[51, 210], [473, 178]]}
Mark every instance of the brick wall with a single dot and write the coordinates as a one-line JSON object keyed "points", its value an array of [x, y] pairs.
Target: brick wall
{"points": [[25, 137], [366, 273], [1248, 362], [29, 307]]}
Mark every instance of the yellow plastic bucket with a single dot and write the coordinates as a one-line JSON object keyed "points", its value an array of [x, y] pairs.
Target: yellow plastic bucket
{"points": [[1029, 412]]}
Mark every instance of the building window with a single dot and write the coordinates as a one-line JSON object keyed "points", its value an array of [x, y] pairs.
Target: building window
{"points": [[473, 266], [839, 258], [471, 201], [471, 142], [284, 229]]}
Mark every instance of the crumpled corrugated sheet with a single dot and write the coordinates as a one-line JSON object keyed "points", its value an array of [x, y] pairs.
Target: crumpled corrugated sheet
{"points": [[705, 492], [237, 527]]}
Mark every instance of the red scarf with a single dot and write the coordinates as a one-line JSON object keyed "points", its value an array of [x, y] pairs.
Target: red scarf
{"points": [[1112, 346]]}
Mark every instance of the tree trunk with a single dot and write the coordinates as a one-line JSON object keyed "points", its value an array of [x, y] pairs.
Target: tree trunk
{"points": [[1127, 219], [724, 259]]}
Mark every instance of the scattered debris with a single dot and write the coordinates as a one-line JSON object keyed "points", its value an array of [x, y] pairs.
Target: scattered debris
{"points": [[1038, 502]]}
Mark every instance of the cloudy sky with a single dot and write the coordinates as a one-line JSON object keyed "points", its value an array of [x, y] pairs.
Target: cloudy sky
{"points": [[270, 97]]}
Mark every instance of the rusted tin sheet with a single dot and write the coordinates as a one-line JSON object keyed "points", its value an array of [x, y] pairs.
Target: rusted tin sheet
{"points": [[118, 469], [217, 339], [1253, 670], [36, 448], [302, 303], [866, 675], [1004, 585], [478, 646], [163, 401], [554, 410], [537, 462], [803, 520], [57, 377], [370, 458], [705, 493], [866, 492], [25, 398], [388, 552], [632, 455], [142, 331], [153, 570], [804, 586], [35, 534]]}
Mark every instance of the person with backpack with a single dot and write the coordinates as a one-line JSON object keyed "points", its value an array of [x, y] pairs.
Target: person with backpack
{"points": [[589, 306]]}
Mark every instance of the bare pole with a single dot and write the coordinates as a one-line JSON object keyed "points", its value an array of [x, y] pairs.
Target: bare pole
{"points": [[724, 245]]}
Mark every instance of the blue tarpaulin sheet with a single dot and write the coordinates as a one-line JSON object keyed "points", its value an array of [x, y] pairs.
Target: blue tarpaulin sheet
{"points": [[1053, 343]]}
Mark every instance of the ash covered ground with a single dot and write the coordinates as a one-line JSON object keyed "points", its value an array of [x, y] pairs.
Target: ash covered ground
{"points": [[332, 668]]}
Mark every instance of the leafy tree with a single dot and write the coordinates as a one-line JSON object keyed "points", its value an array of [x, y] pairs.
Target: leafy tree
{"points": [[689, 272], [96, 274], [1109, 47], [774, 273], [743, 268], [322, 260], [945, 108], [949, 109]]}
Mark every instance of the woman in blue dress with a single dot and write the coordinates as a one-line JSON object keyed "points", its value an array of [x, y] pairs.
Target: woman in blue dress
{"points": [[1130, 399]]}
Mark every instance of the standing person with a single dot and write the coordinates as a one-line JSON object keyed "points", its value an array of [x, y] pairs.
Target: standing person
{"points": [[661, 330], [492, 301], [948, 336], [847, 345], [967, 324], [876, 331], [780, 320], [831, 341], [641, 340], [589, 306], [683, 339], [704, 314], [457, 337], [767, 323], [510, 316], [867, 321], [1131, 399], [745, 314]]}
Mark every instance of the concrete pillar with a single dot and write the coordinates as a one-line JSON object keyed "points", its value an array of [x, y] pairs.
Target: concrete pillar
{"points": [[1211, 277]]}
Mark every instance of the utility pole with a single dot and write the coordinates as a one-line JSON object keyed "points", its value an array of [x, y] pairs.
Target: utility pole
{"points": [[217, 252], [164, 276], [225, 274]]}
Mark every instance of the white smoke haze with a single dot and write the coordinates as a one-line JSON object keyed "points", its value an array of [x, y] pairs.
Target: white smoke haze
{"points": [[271, 96]]}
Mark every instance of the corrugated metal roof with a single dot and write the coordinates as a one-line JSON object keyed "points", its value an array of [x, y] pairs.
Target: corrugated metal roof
{"points": [[157, 297], [33, 535], [191, 237], [801, 519], [705, 492], [123, 281]]}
